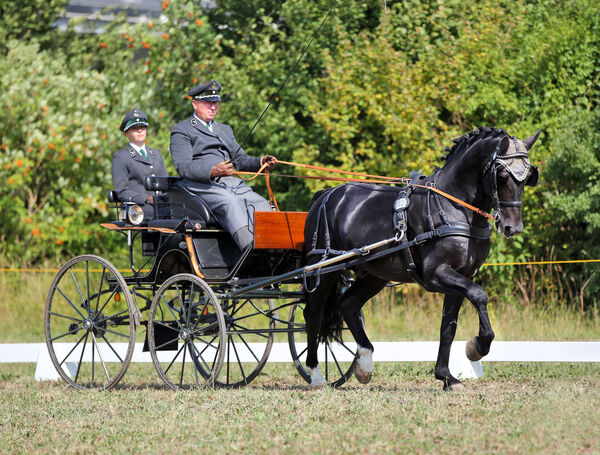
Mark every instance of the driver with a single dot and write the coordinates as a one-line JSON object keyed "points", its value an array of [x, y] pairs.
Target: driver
{"points": [[134, 162], [206, 154]]}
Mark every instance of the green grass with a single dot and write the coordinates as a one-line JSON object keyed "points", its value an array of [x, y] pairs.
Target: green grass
{"points": [[416, 317], [515, 408]]}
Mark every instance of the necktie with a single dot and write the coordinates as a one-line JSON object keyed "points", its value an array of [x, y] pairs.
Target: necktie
{"points": [[209, 126], [143, 152]]}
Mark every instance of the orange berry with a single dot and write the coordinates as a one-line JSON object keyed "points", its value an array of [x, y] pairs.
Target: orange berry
{"points": [[103, 45], [165, 4], [11, 180], [51, 146], [165, 36], [19, 163], [150, 24], [199, 22], [59, 242]]}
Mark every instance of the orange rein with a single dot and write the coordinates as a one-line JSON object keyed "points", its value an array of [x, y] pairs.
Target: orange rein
{"points": [[370, 179]]}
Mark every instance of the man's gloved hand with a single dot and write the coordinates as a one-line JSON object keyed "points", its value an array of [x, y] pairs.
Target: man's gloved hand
{"points": [[268, 159], [224, 168]]}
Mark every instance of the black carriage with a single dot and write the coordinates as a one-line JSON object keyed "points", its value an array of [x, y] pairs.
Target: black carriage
{"points": [[211, 312]]}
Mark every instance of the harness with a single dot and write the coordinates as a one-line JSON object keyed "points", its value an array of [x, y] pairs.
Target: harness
{"points": [[446, 229], [496, 162]]}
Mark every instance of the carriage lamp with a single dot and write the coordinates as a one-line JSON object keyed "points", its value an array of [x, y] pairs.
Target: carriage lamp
{"points": [[132, 214], [135, 215]]}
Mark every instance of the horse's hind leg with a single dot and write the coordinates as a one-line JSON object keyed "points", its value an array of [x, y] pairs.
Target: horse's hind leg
{"points": [[452, 305], [313, 316], [350, 304]]}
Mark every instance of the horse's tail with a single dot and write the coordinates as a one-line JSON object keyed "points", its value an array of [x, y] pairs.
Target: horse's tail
{"points": [[332, 320]]}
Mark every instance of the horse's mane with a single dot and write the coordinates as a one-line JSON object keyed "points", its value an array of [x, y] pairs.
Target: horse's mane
{"points": [[470, 138]]}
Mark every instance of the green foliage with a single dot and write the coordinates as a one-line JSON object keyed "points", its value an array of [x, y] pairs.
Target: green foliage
{"points": [[380, 91], [57, 147], [29, 18]]}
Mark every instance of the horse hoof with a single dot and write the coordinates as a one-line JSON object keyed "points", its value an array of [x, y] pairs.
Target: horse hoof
{"points": [[458, 387], [363, 378], [316, 385], [471, 350]]}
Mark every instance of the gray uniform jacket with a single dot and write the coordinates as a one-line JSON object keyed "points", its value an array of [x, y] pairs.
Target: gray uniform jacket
{"points": [[129, 169], [195, 150]]}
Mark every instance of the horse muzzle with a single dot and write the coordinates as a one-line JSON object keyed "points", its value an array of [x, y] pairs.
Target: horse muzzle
{"points": [[509, 221]]}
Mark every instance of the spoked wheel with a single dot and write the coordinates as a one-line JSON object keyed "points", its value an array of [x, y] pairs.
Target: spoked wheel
{"points": [[248, 341], [186, 333], [88, 321], [337, 357]]}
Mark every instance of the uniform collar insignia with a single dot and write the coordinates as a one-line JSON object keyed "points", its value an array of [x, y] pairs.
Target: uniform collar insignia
{"points": [[132, 153], [193, 121]]}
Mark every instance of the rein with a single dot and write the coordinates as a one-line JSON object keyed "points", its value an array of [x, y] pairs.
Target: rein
{"points": [[371, 179]]}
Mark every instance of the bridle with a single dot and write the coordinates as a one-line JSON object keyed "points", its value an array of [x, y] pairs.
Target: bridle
{"points": [[519, 174]]}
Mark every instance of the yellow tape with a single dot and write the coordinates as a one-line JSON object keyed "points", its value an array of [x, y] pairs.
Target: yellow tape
{"points": [[56, 270], [487, 264], [492, 264]]}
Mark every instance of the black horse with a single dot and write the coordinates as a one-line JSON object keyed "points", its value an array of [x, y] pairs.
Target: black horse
{"points": [[485, 168]]}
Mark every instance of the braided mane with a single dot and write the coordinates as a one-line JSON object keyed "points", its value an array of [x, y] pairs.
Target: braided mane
{"points": [[472, 136]]}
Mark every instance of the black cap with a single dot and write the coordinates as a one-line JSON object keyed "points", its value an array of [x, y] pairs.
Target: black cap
{"points": [[132, 118], [209, 91]]}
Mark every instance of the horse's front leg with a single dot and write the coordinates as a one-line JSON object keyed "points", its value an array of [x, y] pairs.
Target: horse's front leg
{"points": [[449, 281], [350, 304], [452, 305]]}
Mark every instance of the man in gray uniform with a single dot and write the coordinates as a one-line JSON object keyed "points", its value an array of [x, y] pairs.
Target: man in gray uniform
{"points": [[133, 163], [206, 154]]}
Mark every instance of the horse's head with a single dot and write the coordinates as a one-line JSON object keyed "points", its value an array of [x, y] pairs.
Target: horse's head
{"points": [[507, 173]]}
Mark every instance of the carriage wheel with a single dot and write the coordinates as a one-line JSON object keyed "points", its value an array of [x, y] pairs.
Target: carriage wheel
{"points": [[186, 333], [248, 342], [337, 357], [90, 331]]}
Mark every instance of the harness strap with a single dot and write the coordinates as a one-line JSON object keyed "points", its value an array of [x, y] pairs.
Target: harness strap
{"points": [[458, 201], [460, 229]]}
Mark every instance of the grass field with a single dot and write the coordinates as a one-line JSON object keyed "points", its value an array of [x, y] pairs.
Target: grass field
{"points": [[417, 318], [515, 408]]}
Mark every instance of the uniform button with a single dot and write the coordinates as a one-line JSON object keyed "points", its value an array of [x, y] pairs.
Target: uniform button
{"points": [[151, 167], [152, 175]]}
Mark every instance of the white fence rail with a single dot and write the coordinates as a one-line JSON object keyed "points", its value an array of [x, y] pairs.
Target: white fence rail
{"points": [[398, 351]]}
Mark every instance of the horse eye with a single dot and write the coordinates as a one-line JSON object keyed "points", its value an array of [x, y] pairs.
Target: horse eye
{"points": [[503, 174]]}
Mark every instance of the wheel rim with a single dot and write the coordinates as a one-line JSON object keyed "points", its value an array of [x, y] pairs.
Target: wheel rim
{"points": [[337, 358], [90, 332], [186, 333], [249, 343]]}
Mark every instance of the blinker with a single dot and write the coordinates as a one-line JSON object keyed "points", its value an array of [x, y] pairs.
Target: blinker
{"points": [[532, 180]]}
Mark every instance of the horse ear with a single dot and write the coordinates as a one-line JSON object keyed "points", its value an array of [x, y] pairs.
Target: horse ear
{"points": [[504, 145], [531, 140]]}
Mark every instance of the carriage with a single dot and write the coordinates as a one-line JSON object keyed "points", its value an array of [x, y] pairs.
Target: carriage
{"points": [[207, 312], [211, 311]]}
